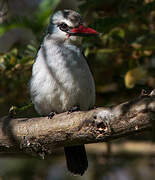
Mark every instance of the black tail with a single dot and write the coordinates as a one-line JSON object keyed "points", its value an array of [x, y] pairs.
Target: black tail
{"points": [[76, 159]]}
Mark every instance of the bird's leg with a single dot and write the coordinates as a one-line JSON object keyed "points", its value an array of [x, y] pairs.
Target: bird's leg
{"points": [[51, 114], [73, 109]]}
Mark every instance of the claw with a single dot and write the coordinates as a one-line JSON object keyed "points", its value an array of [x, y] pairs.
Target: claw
{"points": [[51, 114], [73, 109]]}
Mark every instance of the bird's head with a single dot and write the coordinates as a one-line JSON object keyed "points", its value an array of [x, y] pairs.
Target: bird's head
{"points": [[68, 25]]}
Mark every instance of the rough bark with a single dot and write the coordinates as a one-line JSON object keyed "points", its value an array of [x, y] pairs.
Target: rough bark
{"points": [[39, 136]]}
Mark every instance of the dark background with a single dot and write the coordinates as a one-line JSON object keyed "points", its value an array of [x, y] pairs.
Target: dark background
{"points": [[122, 60]]}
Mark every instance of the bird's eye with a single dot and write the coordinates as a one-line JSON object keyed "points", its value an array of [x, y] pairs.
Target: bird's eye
{"points": [[63, 27]]}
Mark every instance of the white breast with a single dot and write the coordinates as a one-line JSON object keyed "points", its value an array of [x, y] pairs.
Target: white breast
{"points": [[61, 79]]}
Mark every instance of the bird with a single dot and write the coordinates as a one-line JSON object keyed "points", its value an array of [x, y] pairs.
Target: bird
{"points": [[61, 79]]}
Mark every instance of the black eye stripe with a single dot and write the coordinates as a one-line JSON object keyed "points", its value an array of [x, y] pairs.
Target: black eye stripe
{"points": [[63, 27]]}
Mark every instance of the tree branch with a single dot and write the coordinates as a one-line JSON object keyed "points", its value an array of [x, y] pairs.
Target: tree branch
{"points": [[38, 136]]}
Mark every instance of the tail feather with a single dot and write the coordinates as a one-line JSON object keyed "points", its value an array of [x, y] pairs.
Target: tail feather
{"points": [[76, 159]]}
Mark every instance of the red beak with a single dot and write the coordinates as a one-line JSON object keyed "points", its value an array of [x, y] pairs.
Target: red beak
{"points": [[83, 31]]}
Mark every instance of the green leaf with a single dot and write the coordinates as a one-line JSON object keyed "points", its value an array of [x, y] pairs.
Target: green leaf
{"points": [[45, 9], [118, 32]]}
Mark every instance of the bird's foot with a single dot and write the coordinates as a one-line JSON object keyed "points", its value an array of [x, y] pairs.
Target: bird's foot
{"points": [[73, 109], [51, 114]]}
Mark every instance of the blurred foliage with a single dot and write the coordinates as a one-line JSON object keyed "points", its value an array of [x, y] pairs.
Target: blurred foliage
{"points": [[122, 60], [123, 56]]}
